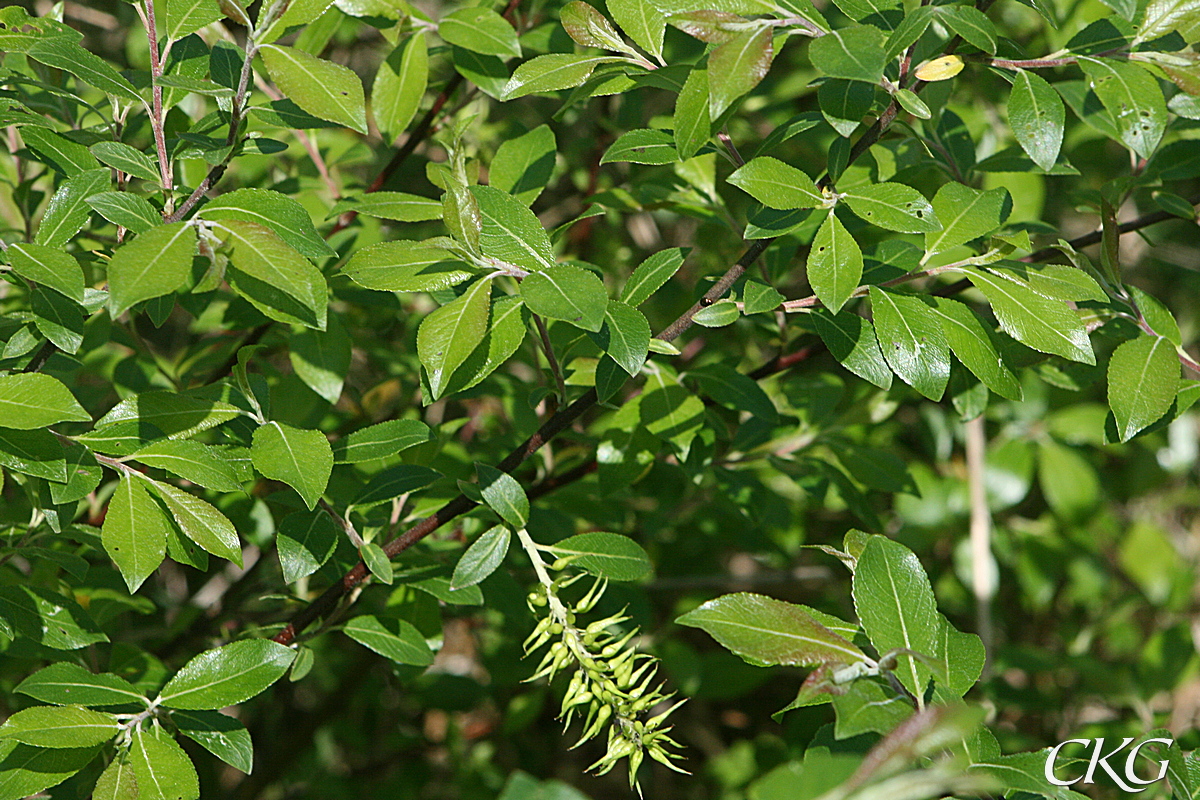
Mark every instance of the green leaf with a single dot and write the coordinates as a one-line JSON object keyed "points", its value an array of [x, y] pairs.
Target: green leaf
{"points": [[127, 159], [377, 562], [896, 607], [625, 336], [976, 346], [405, 267], [178, 416], [163, 771], [1162, 17], [134, 532], [966, 214], [776, 184], [551, 73], [400, 206], [510, 319], [447, 336], [127, 210], [482, 558], [221, 735], [33, 452], [58, 319], [191, 461], [486, 72], [65, 683], [504, 495], [83, 475], [32, 400], [60, 53], [912, 341], [390, 483], [300, 458], [480, 30], [48, 266], [1133, 98], [1037, 116], [399, 86], [867, 707], [971, 24], [383, 440], [568, 293], [651, 274], [962, 657], [642, 146], [719, 314], [305, 540], [201, 522], [391, 638], [523, 165], [187, 16], [1045, 325], [48, 618], [854, 53], [1143, 375], [893, 206], [844, 103], [60, 726], [273, 210], [1068, 482], [510, 232], [770, 631], [1056, 281], [273, 276], [157, 262], [25, 771], [692, 123], [117, 782], [588, 27], [322, 88], [61, 153], [758, 298], [641, 21], [605, 555], [913, 104], [321, 358], [68, 210], [737, 66], [227, 675], [729, 387], [835, 263]]}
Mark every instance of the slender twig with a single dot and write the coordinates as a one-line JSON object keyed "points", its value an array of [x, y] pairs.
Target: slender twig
{"points": [[983, 570], [156, 115], [551, 359], [41, 357]]}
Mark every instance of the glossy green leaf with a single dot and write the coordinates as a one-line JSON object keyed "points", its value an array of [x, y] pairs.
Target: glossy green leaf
{"points": [[300, 458], [48, 266], [405, 267], [487, 72], [855, 53], [65, 683], [1037, 116], [912, 341], [163, 771], [178, 416], [692, 122], [380, 441], [844, 103], [1161, 17], [157, 262], [68, 210], [605, 555], [117, 782], [510, 232], [776, 184], [273, 210], [392, 638], [221, 735], [625, 336], [851, 340], [227, 675], [31, 400], [896, 606], [1056, 281], [447, 336], [736, 67], [480, 30], [551, 73], [126, 210], [913, 104], [33, 452], [965, 214], [523, 165], [641, 21], [503, 495], [482, 558], [976, 346], [971, 24], [867, 707], [1133, 98], [321, 358], [962, 657], [1046, 325], [400, 206], [1143, 375], [127, 159], [893, 206], [272, 275], [719, 314], [64, 155], [186, 16], [377, 562], [59, 726], [134, 532], [568, 293], [506, 332], [58, 319], [651, 274], [201, 522], [60, 53], [305, 541], [322, 88], [759, 297], [588, 27], [191, 461], [393, 482], [25, 770], [399, 86], [835, 263], [729, 387], [48, 618], [770, 631]]}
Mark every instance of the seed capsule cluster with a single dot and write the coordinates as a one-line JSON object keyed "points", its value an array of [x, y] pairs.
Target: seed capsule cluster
{"points": [[612, 685]]}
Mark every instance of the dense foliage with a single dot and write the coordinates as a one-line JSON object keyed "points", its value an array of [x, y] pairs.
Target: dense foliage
{"points": [[339, 459]]}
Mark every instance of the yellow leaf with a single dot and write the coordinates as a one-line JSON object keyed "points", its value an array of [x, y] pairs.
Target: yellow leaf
{"points": [[940, 69]]}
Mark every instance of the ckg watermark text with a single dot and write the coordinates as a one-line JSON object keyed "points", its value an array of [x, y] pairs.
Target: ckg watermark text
{"points": [[1129, 782]]}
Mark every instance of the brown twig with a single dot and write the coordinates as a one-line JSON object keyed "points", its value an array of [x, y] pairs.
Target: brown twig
{"points": [[156, 115]]}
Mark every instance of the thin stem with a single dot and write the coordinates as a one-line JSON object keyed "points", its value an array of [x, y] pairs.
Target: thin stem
{"points": [[723, 136], [551, 359], [983, 570], [156, 114]]}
